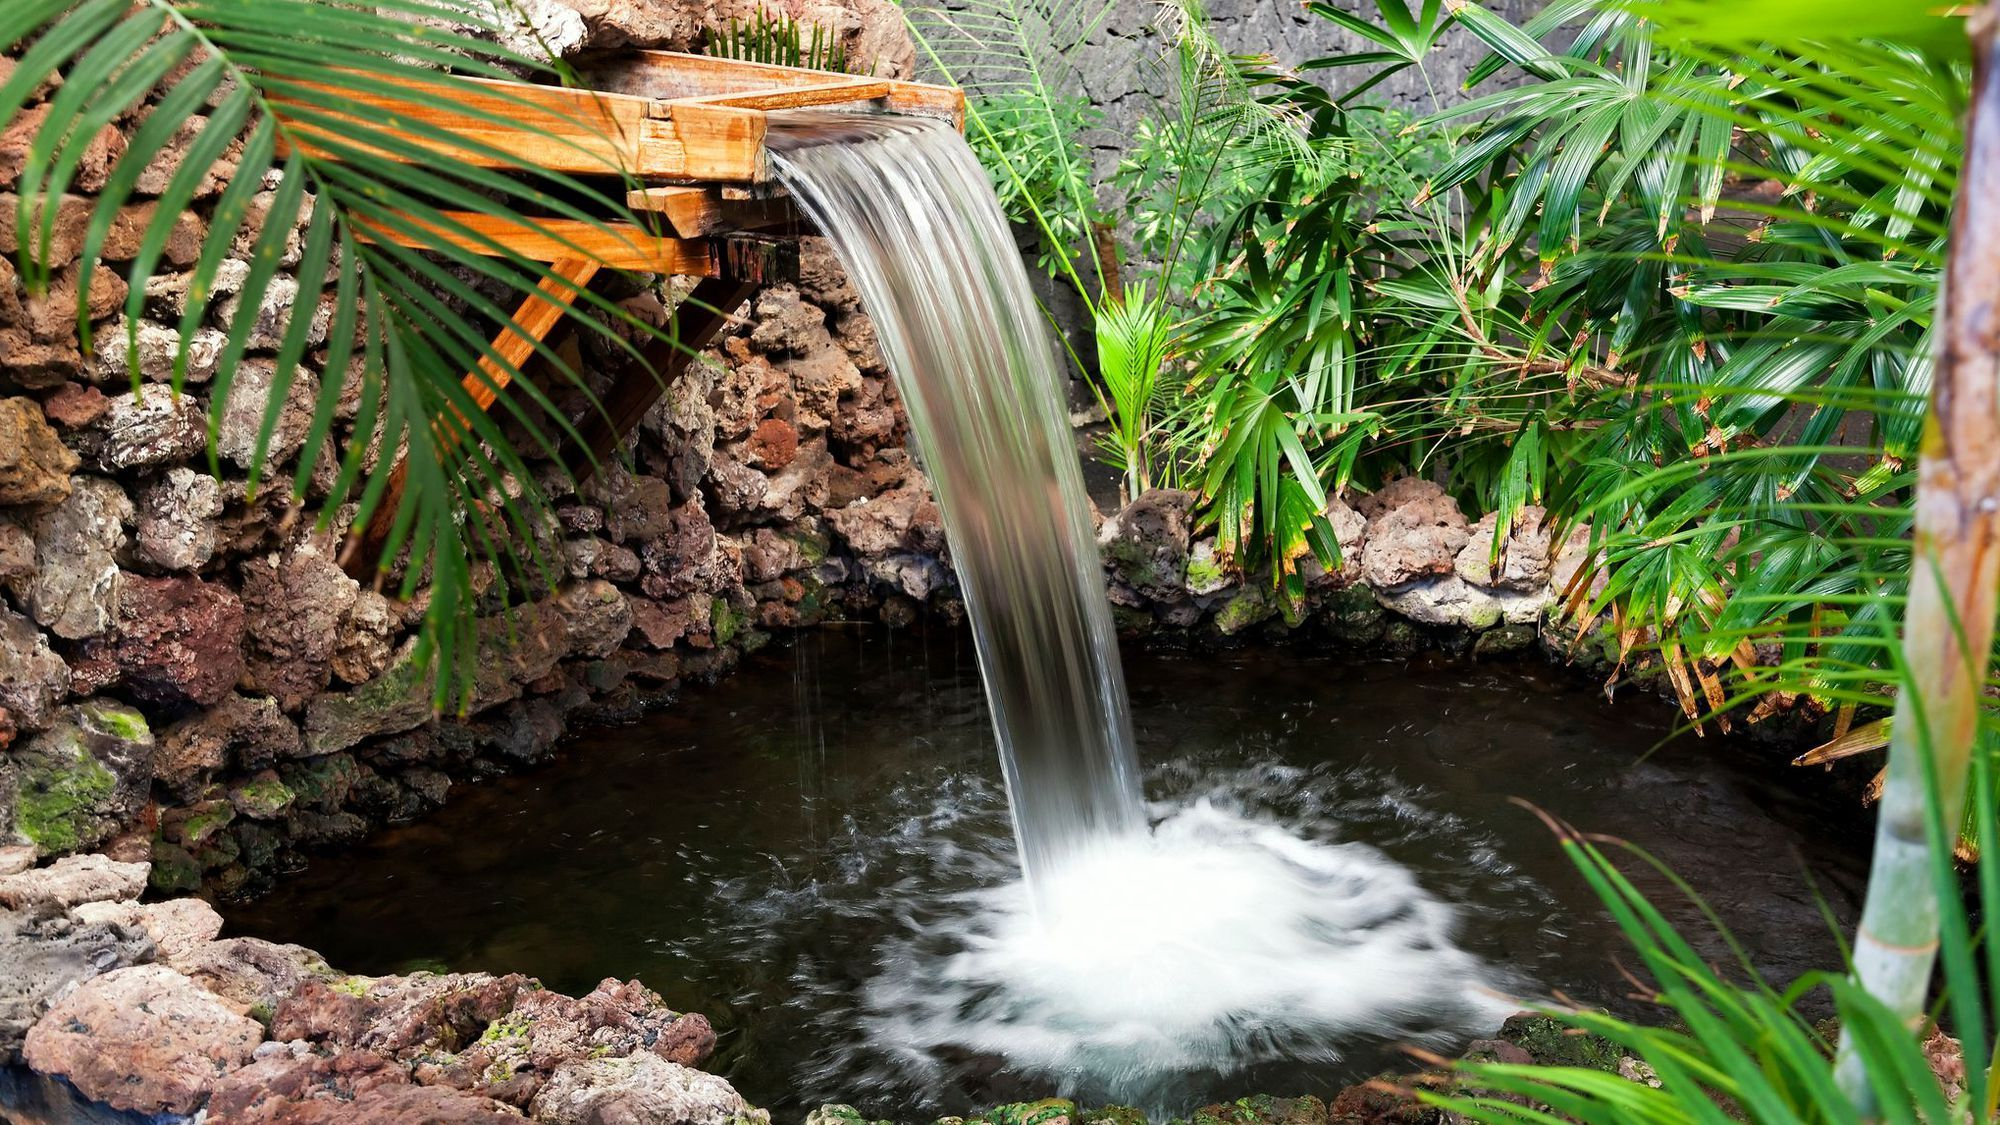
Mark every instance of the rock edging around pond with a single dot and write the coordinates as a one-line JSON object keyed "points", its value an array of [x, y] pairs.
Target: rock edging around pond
{"points": [[143, 1009]]}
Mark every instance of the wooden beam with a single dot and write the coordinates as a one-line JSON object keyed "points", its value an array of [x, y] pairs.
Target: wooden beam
{"points": [[533, 321], [697, 212], [795, 97], [613, 245], [698, 320]]}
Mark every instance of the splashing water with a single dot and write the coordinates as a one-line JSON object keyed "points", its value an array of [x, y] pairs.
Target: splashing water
{"points": [[1123, 957]]}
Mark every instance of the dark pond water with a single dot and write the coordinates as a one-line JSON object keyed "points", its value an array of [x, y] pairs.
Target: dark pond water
{"points": [[755, 852]]}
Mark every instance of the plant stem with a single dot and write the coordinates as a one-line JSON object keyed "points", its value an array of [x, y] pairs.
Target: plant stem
{"points": [[1948, 624]]}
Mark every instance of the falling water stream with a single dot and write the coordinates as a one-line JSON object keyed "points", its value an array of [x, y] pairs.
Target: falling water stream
{"points": [[1104, 961], [911, 216]]}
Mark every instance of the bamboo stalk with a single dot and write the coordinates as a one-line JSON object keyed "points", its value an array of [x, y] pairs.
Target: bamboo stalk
{"points": [[1948, 624]]}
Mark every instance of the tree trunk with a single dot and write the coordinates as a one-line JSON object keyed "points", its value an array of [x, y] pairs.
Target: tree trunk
{"points": [[1948, 622]]}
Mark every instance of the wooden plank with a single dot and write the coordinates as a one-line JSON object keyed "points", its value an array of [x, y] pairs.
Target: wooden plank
{"points": [[666, 75], [534, 319], [616, 245], [698, 320], [504, 124], [697, 212], [796, 97], [699, 141]]}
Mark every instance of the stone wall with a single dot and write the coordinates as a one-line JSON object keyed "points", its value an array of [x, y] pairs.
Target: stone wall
{"points": [[187, 676]]}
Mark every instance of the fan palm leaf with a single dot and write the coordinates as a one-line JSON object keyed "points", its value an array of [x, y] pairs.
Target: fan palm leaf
{"points": [[268, 89]]}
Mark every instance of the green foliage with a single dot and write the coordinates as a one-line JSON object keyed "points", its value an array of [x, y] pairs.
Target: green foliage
{"points": [[778, 41], [281, 78]]}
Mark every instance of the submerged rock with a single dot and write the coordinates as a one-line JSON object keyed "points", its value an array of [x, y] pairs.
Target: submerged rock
{"points": [[144, 1039]]}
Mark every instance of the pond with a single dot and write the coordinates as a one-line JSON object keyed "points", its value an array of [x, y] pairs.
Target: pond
{"points": [[786, 851]]}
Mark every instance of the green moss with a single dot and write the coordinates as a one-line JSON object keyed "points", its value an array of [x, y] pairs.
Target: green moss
{"points": [[174, 871], [1249, 606], [1206, 573], [204, 822], [723, 621], [812, 548], [58, 803], [353, 986], [1554, 1043], [505, 1028], [1048, 1111], [264, 796], [1114, 1115], [118, 721]]}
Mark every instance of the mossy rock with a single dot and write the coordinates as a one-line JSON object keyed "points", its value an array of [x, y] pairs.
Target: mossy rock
{"points": [[1113, 1115], [174, 871], [1048, 1111], [1552, 1042], [724, 621], [840, 1115], [82, 780], [263, 797], [1263, 1109], [1504, 641], [1130, 621], [1245, 608]]}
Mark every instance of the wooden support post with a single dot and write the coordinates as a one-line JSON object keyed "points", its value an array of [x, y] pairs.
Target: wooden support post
{"points": [[534, 320], [699, 319]]}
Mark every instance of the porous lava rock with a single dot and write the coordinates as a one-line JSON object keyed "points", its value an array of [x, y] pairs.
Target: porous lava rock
{"points": [[144, 1039], [177, 641], [1415, 530], [640, 1087], [35, 466], [42, 956]]}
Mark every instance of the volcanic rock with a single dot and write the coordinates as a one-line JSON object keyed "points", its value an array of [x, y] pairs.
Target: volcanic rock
{"points": [[144, 1039]]}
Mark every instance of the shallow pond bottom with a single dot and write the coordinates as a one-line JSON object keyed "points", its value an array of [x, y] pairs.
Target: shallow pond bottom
{"points": [[817, 855]]}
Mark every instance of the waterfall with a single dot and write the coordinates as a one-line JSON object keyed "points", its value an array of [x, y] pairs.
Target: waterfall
{"points": [[914, 220]]}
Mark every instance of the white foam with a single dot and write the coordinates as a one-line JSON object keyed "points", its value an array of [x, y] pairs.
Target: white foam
{"points": [[1212, 945]]}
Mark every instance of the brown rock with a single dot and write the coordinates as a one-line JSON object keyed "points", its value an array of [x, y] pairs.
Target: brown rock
{"points": [[176, 641], [17, 552], [284, 1087], [773, 445], [33, 679], [394, 1015], [75, 406], [663, 624], [251, 731], [1524, 555], [295, 603], [639, 1088], [34, 464], [143, 1039], [150, 426], [250, 973], [1415, 530], [903, 520]]}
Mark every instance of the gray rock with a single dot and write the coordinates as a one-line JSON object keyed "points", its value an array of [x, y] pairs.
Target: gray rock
{"points": [[41, 958], [17, 551], [1453, 601], [158, 345], [71, 882], [1524, 555], [74, 590], [153, 426], [177, 513], [33, 679], [367, 638], [177, 926], [243, 416], [639, 1087]]}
